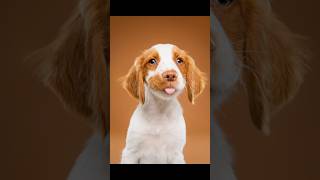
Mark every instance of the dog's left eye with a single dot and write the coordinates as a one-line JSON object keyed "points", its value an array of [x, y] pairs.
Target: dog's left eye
{"points": [[179, 61], [152, 61]]}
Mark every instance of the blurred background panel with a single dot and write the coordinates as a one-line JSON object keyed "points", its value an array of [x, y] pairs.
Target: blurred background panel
{"points": [[292, 152], [39, 139]]}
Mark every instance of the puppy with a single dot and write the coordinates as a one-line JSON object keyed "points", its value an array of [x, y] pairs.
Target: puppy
{"points": [[249, 44], [157, 130]]}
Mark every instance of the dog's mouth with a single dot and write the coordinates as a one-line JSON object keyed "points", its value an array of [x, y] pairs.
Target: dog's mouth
{"points": [[164, 87], [169, 90]]}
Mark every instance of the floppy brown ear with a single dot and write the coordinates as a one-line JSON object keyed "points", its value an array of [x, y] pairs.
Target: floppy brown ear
{"points": [[74, 65], [274, 64], [196, 80], [133, 82]]}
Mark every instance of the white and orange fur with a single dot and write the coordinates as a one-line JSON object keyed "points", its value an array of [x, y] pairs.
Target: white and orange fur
{"points": [[157, 130]]}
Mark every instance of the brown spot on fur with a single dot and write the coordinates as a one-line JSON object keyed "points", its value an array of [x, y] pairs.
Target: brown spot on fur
{"points": [[147, 56], [195, 78], [133, 82], [178, 53]]}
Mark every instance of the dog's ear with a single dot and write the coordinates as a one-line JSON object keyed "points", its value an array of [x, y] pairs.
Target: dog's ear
{"points": [[74, 65], [133, 82], [196, 80], [274, 62]]}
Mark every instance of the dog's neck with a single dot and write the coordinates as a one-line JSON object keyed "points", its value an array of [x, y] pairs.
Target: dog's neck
{"points": [[156, 105]]}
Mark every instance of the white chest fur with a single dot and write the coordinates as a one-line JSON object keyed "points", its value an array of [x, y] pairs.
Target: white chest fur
{"points": [[156, 133]]}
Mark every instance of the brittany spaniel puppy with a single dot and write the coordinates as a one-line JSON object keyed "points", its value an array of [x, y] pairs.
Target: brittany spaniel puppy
{"points": [[250, 45], [157, 130]]}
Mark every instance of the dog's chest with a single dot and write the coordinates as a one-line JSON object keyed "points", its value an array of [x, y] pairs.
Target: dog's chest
{"points": [[155, 131], [158, 126]]}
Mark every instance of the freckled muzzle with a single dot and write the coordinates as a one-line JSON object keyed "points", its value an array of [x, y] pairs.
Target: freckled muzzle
{"points": [[166, 82]]}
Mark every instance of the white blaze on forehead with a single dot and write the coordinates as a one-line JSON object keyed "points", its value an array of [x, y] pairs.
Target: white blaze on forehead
{"points": [[167, 62]]}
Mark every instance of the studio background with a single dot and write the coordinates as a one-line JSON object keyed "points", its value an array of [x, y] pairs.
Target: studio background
{"points": [[129, 37], [40, 140]]}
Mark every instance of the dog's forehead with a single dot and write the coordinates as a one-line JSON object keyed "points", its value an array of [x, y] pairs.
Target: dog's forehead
{"points": [[166, 55], [164, 51]]}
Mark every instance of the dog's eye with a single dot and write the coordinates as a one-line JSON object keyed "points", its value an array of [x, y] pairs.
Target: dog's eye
{"points": [[179, 61], [152, 61], [225, 2]]}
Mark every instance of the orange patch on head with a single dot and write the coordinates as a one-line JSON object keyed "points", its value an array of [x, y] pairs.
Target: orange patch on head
{"points": [[150, 59], [195, 78], [182, 56], [134, 80]]}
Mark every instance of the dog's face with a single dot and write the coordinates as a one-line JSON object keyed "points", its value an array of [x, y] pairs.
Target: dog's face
{"points": [[165, 70]]}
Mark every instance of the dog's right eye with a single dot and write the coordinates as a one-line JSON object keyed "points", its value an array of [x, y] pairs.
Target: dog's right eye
{"points": [[152, 61], [179, 60]]}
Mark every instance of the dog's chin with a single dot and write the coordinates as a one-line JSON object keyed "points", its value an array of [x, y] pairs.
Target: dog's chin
{"points": [[167, 93]]}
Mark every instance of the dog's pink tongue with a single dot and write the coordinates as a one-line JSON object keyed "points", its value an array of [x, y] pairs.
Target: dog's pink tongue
{"points": [[170, 90]]}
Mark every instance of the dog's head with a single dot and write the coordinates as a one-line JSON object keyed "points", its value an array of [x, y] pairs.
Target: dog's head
{"points": [[166, 70], [249, 41]]}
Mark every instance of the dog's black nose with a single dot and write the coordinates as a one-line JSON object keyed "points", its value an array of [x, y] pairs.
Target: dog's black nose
{"points": [[170, 75]]}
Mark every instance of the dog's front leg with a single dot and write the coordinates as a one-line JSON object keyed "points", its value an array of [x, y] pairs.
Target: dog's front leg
{"points": [[129, 157], [176, 158]]}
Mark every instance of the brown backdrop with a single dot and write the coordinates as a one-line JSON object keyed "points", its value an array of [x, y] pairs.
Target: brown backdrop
{"points": [[129, 37], [39, 140]]}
